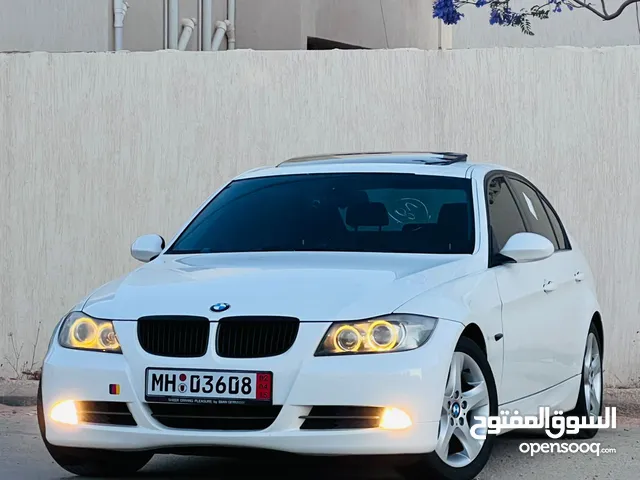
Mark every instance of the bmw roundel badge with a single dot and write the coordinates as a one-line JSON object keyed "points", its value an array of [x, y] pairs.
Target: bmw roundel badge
{"points": [[220, 307]]}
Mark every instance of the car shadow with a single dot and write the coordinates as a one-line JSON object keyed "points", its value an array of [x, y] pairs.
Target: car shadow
{"points": [[171, 467], [174, 467]]}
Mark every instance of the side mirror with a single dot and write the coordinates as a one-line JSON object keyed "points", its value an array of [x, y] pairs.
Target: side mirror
{"points": [[527, 247], [147, 247]]}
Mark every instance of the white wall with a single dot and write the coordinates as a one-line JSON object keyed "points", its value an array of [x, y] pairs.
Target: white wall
{"points": [[286, 24], [96, 149], [579, 28], [55, 25], [376, 24]]}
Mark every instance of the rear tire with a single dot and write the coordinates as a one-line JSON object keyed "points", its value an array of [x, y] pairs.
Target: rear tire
{"points": [[475, 374], [590, 396], [91, 462]]}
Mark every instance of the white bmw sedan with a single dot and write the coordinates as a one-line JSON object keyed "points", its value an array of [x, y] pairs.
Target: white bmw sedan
{"points": [[359, 304]]}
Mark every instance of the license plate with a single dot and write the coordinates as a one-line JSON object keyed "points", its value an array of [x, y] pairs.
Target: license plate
{"points": [[208, 386]]}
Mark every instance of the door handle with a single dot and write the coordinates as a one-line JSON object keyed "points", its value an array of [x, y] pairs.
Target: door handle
{"points": [[549, 287], [579, 276]]}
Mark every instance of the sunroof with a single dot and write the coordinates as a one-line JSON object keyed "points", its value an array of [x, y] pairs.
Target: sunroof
{"points": [[424, 158]]}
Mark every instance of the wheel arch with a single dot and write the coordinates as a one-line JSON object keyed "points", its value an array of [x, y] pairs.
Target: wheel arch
{"points": [[473, 332], [596, 320]]}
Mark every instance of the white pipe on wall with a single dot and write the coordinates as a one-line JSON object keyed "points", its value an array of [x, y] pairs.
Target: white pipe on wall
{"points": [[119, 12], [165, 24], [174, 10], [231, 16], [199, 24], [188, 25], [221, 31], [207, 24]]}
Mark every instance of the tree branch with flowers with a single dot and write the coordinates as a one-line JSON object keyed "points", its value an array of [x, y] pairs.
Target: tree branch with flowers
{"points": [[501, 13]]}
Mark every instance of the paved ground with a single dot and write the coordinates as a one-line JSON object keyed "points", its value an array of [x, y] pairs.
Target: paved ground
{"points": [[23, 457]]}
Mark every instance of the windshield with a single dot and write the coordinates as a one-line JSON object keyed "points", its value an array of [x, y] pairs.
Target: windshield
{"points": [[351, 212]]}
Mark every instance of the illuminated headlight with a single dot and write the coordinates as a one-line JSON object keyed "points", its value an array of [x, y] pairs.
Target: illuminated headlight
{"points": [[393, 333], [81, 332]]}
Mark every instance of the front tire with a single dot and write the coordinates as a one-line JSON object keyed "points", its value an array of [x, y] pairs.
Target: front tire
{"points": [[91, 462], [470, 391]]}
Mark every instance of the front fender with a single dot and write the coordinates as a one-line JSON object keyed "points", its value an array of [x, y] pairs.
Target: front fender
{"points": [[473, 299]]}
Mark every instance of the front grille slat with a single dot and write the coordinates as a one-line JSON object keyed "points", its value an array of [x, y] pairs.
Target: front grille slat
{"points": [[215, 417], [174, 336], [272, 339], [162, 338], [255, 337], [247, 340], [259, 334]]}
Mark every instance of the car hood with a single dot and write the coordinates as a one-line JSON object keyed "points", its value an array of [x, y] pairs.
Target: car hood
{"points": [[307, 285]]}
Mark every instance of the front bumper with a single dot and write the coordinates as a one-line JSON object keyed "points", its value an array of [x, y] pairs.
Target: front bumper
{"points": [[412, 381]]}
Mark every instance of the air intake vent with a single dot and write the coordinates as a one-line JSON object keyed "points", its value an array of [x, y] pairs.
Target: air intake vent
{"points": [[174, 336], [339, 418], [105, 413], [215, 417], [255, 337]]}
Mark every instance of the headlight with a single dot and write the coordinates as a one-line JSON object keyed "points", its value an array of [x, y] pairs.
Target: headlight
{"points": [[81, 332], [392, 333]]}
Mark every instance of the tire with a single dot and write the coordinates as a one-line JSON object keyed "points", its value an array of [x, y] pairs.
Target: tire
{"points": [[432, 465], [91, 462], [590, 378]]}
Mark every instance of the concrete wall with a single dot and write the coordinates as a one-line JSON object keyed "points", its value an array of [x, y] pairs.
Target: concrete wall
{"points": [[375, 24], [286, 24], [55, 25], [87, 25], [579, 28], [96, 149]]}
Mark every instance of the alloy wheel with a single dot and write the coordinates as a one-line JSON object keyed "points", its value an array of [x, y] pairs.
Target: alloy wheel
{"points": [[466, 396], [592, 377]]}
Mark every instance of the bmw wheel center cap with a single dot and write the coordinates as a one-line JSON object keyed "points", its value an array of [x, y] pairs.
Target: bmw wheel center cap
{"points": [[220, 307]]}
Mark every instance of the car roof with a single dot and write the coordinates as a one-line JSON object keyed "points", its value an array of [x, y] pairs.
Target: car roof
{"points": [[421, 163]]}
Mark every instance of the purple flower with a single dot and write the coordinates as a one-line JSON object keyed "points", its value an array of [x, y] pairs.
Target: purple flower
{"points": [[446, 11], [495, 18], [507, 16]]}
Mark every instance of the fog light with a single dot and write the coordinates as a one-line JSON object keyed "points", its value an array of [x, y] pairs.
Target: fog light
{"points": [[65, 412], [395, 419]]}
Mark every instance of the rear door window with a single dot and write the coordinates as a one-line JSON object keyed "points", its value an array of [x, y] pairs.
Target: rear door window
{"points": [[563, 242]]}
